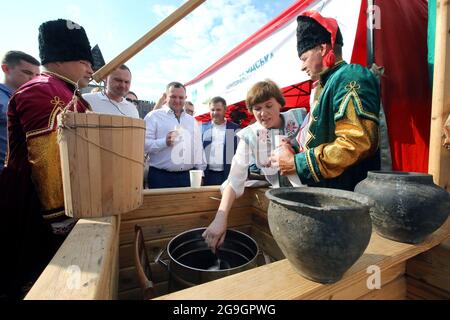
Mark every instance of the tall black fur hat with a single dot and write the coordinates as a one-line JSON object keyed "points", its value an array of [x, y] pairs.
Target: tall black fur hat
{"points": [[310, 34], [63, 40]]}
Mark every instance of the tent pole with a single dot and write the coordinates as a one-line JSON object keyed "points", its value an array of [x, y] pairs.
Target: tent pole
{"points": [[370, 27], [439, 158]]}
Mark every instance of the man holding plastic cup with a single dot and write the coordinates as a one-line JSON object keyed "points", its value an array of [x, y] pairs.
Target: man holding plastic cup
{"points": [[173, 142]]}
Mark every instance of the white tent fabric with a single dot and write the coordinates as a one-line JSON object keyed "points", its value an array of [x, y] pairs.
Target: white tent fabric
{"points": [[275, 58]]}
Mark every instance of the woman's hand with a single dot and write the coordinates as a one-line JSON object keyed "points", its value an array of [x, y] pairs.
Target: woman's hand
{"points": [[283, 159], [214, 235]]}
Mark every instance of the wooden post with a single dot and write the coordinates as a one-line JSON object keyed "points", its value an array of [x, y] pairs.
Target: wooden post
{"points": [[439, 161], [148, 38]]}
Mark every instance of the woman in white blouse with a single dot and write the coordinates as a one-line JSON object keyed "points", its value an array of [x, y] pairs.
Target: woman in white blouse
{"points": [[265, 101]]}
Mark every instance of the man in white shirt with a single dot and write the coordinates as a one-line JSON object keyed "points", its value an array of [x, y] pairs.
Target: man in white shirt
{"points": [[112, 101], [219, 142], [173, 142]]}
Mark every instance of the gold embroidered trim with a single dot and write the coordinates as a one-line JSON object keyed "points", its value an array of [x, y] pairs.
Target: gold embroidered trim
{"points": [[311, 167], [44, 158], [352, 88], [58, 106]]}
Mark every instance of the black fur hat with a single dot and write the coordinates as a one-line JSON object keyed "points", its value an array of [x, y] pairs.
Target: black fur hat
{"points": [[63, 40], [310, 34]]}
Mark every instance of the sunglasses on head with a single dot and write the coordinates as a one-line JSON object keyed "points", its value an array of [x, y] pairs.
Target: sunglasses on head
{"points": [[132, 101]]}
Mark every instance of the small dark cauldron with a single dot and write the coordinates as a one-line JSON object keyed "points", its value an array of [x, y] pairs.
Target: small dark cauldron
{"points": [[408, 205], [191, 262]]}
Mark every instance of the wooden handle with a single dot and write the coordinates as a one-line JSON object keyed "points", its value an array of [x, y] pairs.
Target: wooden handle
{"points": [[148, 38], [439, 158]]}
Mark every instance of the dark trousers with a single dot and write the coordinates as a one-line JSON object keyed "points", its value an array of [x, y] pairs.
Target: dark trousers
{"points": [[213, 178], [158, 178]]}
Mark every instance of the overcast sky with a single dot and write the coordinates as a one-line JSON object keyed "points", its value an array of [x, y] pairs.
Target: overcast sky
{"points": [[191, 46]]}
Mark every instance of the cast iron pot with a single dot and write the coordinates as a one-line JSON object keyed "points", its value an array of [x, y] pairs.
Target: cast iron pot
{"points": [[322, 232], [191, 262], [408, 206]]}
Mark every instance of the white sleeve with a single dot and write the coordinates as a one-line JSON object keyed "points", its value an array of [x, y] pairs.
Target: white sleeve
{"points": [[239, 169], [152, 144]]}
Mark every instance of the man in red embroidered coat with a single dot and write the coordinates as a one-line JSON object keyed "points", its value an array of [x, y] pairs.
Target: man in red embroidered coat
{"points": [[33, 224]]}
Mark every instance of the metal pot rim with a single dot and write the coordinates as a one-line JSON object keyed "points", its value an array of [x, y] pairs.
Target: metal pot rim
{"points": [[172, 259]]}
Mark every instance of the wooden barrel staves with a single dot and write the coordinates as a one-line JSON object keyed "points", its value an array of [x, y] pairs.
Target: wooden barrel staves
{"points": [[102, 163]]}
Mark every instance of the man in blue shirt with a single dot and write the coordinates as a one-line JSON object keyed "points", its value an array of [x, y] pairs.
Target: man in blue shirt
{"points": [[18, 68]]}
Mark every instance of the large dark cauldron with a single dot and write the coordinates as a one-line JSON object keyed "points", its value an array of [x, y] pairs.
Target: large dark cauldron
{"points": [[191, 262], [322, 232], [408, 206]]}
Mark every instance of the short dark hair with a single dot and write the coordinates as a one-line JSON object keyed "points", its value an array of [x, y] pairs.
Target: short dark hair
{"points": [[189, 103], [134, 94], [218, 100], [263, 91], [124, 67], [13, 58], [175, 85]]}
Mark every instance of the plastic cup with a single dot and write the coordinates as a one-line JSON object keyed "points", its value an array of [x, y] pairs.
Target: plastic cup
{"points": [[178, 129], [278, 138], [196, 178]]}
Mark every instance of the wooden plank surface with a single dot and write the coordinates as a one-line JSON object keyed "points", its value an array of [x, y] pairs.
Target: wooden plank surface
{"points": [[127, 165], [358, 289], [280, 280], [266, 243], [395, 290], [82, 175], [126, 252], [107, 159], [128, 279], [66, 138], [169, 226], [108, 283], [259, 200], [95, 178], [83, 268], [117, 173], [164, 202], [432, 267], [259, 220], [133, 294], [138, 140], [420, 290], [136, 294]]}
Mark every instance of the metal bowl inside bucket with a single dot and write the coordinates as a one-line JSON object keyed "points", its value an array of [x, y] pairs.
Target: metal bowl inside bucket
{"points": [[191, 262]]}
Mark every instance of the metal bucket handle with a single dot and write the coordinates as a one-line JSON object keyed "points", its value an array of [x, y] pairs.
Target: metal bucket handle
{"points": [[161, 262]]}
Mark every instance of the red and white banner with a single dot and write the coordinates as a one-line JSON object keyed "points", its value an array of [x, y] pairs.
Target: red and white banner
{"points": [[271, 53]]}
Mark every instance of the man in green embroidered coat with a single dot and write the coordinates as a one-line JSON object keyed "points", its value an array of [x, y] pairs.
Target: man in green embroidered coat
{"points": [[339, 141]]}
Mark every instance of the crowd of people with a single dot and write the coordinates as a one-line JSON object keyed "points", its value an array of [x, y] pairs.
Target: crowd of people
{"points": [[334, 145]]}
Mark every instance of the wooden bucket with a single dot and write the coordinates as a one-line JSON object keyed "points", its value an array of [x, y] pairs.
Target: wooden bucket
{"points": [[102, 163]]}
